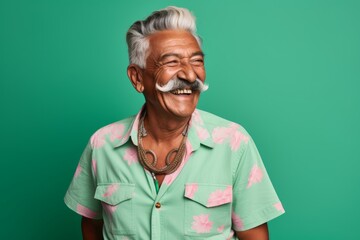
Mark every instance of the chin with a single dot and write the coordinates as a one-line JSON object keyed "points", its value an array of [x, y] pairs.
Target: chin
{"points": [[181, 108], [183, 113]]}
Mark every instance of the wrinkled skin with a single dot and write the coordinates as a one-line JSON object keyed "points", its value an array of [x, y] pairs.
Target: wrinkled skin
{"points": [[172, 54]]}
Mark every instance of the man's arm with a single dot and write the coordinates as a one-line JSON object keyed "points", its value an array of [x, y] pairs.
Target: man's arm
{"points": [[257, 233], [91, 229]]}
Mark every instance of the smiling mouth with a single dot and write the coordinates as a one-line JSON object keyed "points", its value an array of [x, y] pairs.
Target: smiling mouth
{"points": [[182, 92]]}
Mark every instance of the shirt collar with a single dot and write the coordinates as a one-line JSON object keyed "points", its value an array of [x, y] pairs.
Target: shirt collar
{"points": [[197, 133]]}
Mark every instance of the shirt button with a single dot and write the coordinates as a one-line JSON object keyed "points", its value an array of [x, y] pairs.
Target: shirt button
{"points": [[158, 205]]}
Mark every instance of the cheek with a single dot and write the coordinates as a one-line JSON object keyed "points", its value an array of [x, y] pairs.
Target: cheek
{"points": [[201, 73], [163, 75]]}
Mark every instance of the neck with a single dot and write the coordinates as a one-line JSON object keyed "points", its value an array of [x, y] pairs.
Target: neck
{"points": [[164, 129], [165, 164]]}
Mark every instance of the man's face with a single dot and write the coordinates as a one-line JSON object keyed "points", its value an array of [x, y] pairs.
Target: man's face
{"points": [[172, 54]]}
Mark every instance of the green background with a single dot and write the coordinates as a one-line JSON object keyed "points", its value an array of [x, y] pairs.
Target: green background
{"points": [[288, 71]]}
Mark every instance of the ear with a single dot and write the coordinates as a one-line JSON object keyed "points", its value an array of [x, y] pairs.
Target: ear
{"points": [[135, 75]]}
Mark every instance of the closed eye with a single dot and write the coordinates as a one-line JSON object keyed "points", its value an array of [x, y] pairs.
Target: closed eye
{"points": [[172, 63], [197, 62]]}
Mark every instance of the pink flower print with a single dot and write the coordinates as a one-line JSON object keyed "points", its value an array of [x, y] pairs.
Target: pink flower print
{"points": [[169, 178], [219, 134], [197, 118], [233, 126], [97, 140], [256, 176], [230, 235], [236, 139], [220, 197], [202, 224], [190, 190], [110, 209], [110, 190], [202, 133], [116, 131], [220, 229], [84, 211], [131, 156], [237, 222], [78, 170], [93, 164], [188, 150], [232, 133], [279, 207]]}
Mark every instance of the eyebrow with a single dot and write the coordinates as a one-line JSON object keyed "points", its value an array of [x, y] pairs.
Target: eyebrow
{"points": [[198, 53]]}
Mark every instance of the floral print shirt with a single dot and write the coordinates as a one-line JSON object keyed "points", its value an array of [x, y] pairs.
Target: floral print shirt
{"points": [[220, 187]]}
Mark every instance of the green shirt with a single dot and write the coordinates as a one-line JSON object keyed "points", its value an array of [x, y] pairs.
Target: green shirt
{"points": [[220, 187]]}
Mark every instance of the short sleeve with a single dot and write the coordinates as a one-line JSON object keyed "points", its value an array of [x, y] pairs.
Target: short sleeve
{"points": [[80, 194], [254, 198]]}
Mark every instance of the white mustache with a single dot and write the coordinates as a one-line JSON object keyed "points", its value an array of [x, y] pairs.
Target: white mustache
{"points": [[176, 83]]}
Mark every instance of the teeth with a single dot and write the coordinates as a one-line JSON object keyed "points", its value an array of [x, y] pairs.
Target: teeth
{"points": [[182, 91]]}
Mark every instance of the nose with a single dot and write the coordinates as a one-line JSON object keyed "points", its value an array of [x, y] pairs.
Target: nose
{"points": [[186, 72]]}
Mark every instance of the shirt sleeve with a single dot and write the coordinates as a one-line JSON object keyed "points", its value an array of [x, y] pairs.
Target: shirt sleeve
{"points": [[254, 199], [80, 194]]}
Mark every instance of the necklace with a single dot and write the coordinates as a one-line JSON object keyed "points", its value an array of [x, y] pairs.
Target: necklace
{"points": [[170, 166]]}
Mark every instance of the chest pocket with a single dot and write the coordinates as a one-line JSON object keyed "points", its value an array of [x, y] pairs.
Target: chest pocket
{"points": [[207, 210], [117, 203]]}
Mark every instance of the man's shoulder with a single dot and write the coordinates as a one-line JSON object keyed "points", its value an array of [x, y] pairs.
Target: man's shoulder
{"points": [[215, 122], [112, 133], [220, 131]]}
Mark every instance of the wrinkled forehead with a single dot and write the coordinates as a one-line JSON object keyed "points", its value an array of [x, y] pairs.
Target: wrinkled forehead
{"points": [[179, 42]]}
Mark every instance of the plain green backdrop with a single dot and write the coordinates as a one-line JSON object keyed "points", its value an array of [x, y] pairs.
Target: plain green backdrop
{"points": [[288, 71]]}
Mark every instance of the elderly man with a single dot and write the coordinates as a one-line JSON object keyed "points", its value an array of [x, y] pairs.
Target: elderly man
{"points": [[171, 171]]}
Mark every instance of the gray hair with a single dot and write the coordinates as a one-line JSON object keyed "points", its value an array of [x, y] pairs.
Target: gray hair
{"points": [[163, 19]]}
